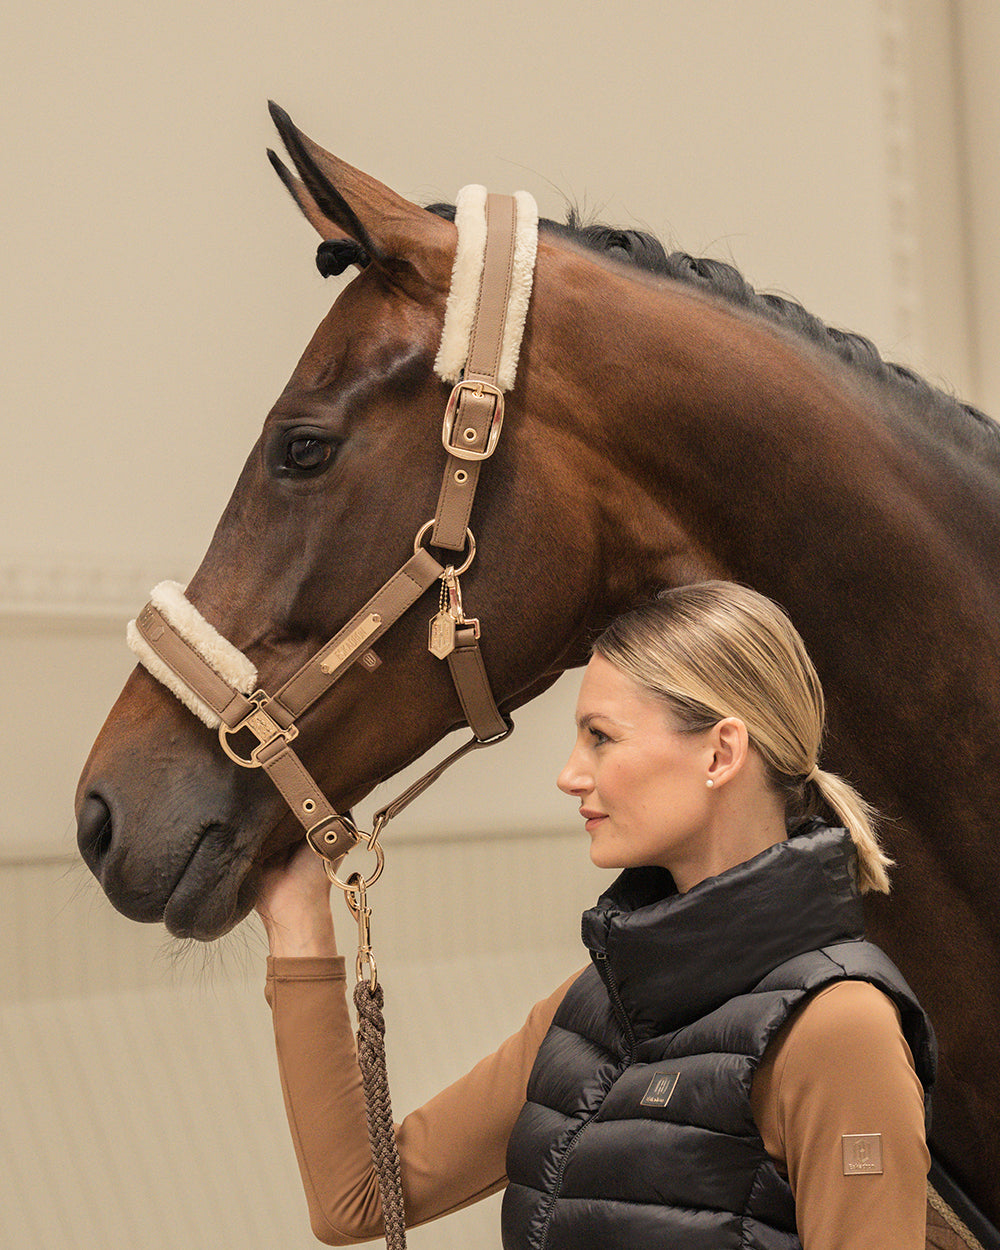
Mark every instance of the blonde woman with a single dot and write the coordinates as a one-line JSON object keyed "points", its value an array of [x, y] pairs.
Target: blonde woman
{"points": [[737, 1066]]}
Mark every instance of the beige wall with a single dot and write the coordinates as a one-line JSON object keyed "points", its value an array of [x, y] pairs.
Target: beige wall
{"points": [[977, 40], [157, 288]]}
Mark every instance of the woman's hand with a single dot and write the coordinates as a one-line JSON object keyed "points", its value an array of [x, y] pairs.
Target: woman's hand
{"points": [[294, 904]]}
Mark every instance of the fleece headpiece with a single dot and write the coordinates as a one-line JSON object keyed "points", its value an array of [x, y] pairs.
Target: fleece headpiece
{"points": [[460, 311]]}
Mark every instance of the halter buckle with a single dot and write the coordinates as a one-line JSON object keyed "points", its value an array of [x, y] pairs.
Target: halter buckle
{"points": [[333, 837], [262, 725], [479, 390]]}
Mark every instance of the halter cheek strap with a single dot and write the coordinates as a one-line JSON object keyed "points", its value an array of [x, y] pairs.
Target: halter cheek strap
{"points": [[484, 322]]}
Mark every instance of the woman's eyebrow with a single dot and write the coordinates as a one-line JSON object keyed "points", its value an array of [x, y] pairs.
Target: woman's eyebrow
{"points": [[586, 719]]}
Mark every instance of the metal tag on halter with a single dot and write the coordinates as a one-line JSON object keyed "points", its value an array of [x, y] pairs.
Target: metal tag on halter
{"points": [[441, 635], [352, 643]]}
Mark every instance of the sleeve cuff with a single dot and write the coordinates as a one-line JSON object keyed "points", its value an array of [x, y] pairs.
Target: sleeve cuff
{"points": [[306, 968]]}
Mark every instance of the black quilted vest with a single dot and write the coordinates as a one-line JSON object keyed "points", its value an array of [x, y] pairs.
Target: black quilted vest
{"points": [[637, 1133]]}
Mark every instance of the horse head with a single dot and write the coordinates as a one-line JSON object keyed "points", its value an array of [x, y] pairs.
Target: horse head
{"points": [[343, 476]]}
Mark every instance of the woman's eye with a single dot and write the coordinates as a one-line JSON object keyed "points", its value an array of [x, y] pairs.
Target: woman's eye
{"points": [[307, 454], [597, 737]]}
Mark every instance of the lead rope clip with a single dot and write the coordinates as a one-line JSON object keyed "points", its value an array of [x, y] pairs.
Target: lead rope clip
{"points": [[357, 900]]}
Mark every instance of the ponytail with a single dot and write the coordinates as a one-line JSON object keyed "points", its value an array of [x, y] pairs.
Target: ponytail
{"points": [[858, 818]]}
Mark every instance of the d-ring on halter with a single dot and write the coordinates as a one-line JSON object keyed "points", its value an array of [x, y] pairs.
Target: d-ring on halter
{"points": [[480, 342]]}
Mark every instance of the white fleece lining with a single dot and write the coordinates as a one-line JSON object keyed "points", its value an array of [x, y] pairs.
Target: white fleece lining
{"points": [[231, 665], [148, 658], [466, 274]]}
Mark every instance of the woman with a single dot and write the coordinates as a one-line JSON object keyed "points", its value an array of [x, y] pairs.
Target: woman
{"points": [[737, 1067]]}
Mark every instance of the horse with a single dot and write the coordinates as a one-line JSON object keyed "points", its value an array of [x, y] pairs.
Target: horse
{"points": [[668, 425]]}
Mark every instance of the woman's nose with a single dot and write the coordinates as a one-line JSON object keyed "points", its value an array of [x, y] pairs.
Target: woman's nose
{"points": [[571, 780]]}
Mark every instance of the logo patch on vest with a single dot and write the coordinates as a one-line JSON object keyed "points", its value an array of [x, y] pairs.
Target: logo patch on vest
{"points": [[660, 1089], [862, 1154]]}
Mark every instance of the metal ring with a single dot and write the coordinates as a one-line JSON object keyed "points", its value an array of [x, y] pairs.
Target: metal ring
{"points": [[366, 957], [349, 884], [468, 534]]}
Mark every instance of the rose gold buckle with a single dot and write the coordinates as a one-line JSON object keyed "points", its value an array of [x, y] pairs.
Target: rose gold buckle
{"points": [[264, 728], [334, 836], [479, 389]]}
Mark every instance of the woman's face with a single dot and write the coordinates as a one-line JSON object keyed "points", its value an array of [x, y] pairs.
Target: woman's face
{"points": [[641, 783]]}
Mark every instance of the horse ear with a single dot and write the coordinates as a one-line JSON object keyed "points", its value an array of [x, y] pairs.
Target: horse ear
{"points": [[341, 202], [299, 192]]}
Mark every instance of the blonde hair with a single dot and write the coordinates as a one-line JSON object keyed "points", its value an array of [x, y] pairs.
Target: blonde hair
{"points": [[717, 649]]}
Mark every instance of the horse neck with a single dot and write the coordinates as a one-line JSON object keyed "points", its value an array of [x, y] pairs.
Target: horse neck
{"points": [[730, 448], [770, 454]]}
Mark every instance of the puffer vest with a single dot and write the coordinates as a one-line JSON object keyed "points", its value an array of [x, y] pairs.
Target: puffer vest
{"points": [[637, 1133]]}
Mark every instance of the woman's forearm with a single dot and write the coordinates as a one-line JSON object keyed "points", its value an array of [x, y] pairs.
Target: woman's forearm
{"points": [[324, 1101], [452, 1149], [309, 936]]}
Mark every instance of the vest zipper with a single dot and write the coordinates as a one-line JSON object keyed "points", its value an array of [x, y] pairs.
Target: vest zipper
{"points": [[604, 971], [600, 959]]}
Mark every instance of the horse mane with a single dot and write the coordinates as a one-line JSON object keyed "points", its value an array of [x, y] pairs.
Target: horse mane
{"points": [[645, 252]]}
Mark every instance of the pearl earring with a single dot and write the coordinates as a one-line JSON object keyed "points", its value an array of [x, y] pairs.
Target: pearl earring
{"points": [[710, 783]]}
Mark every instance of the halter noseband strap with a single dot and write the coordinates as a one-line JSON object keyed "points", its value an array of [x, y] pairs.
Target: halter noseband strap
{"points": [[487, 304]]}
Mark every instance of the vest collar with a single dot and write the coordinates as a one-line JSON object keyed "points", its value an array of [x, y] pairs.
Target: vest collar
{"points": [[675, 957]]}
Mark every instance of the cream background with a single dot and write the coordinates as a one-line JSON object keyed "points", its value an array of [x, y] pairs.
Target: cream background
{"points": [[158, 286]]}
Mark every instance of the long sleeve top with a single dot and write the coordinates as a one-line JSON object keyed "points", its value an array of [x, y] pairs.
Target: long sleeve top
{"points": [[839, 1067]]}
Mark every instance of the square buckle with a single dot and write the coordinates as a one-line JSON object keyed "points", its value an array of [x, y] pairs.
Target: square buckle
{"points": [[263, 727], [479, 389]]}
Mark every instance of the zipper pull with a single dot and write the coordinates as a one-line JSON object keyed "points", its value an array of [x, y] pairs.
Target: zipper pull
{"points": [[600, 959]]}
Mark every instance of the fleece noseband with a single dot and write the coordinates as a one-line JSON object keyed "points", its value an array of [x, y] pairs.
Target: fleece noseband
{"points": [[480, 341]]}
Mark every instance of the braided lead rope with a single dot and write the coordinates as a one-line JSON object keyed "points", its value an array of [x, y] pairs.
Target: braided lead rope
{"points": [[957, 1226], [378, 1108]]}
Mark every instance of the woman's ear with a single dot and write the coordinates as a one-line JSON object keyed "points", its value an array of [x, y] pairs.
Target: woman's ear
{"points": [[730, 745]]}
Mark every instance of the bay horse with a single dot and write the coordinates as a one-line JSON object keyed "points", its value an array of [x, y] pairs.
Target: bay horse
{"points": [[668, 425]]}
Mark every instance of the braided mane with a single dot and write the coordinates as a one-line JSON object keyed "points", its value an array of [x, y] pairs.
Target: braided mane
{"points": [[645, 252]]}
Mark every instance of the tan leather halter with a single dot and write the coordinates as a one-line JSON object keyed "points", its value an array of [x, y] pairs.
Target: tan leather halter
{"points": [[177, 651]]}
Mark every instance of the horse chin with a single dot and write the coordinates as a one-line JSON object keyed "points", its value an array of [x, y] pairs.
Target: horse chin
{"points": [[215, 891]]}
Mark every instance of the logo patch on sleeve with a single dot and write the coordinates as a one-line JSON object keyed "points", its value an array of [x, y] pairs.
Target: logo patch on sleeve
{"points": [[660, 1089], [862, 1154]]}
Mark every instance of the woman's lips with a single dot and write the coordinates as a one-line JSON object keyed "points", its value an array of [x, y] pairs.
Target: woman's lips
{"points": [[592, 819]]}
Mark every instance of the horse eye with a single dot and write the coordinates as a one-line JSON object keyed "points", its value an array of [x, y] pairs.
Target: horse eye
{"points": [[307, 454]]}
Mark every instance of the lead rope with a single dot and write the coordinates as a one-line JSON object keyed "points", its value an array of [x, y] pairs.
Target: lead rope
{"points": [[378, 1108], [369, 999]]}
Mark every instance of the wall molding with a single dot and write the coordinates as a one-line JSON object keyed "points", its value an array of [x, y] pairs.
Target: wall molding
{"points": [[20, 853], [73, 588]]}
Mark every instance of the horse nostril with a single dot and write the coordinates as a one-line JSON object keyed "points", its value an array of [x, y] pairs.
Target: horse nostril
{"points": [[94, 831]]}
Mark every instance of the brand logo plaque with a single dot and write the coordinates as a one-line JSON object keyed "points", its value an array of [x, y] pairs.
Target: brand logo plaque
{"points": [[862, 1154], [660, 1088]]}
